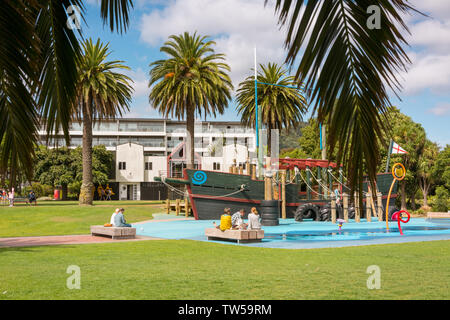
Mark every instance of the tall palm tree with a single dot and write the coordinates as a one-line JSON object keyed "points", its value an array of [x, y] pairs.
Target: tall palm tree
{"points": [[101, 93], [192, 79], [348, 68], [38, 53], [281, 106]]}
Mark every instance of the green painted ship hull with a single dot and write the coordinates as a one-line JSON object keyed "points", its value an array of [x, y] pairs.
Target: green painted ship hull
{"points": [[211, 191]]}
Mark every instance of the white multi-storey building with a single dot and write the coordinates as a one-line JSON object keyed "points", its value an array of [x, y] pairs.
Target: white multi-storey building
{"points": [[145, 148]]}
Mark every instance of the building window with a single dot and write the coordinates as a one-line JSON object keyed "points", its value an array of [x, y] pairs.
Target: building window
{"points": [[216, 166], [149, 166], [122, 165]]}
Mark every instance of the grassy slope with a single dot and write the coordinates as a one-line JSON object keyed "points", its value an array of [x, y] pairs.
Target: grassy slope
{"points": [[198, 270], [64, 218]]}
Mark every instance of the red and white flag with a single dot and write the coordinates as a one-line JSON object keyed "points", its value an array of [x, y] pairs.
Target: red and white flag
{"points": [[396, 149]]}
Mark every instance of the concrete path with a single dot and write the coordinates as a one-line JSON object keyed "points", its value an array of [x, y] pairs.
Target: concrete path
{"points": [[58, 240], [84, 239]]}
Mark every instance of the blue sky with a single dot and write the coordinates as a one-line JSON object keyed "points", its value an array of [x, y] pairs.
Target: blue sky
{"points": [[238, 26]]}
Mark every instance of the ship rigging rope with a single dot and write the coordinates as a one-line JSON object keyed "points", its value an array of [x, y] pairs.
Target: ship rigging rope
{"points": [[297, 172], [183, 193], [345, 186], [242, 188], [278, 182], [290, 182], [308, 186], [338, 181], [325, 188]]}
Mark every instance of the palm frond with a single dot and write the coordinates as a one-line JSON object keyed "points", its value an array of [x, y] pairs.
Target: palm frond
{"points": [[117, 12], [348, 70], [59, 51]]}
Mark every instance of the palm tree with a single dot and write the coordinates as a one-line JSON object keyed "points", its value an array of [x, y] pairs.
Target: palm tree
{"points": [[101, 93], [348, 68], [281, 106], [38, 53], [192, 79]]}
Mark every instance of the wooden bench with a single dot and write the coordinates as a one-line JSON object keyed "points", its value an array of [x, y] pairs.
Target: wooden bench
{"points": [[17, 200], [240, 236], [20, 199], [114, 232]]}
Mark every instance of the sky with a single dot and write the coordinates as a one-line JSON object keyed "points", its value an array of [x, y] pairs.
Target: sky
{"points": [[238, 26]]}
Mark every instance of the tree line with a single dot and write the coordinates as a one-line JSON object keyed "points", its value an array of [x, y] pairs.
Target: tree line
{"points": [[427, 164]]}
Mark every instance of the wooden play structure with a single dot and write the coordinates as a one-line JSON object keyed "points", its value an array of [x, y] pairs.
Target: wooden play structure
{"points": [[178, 206]]}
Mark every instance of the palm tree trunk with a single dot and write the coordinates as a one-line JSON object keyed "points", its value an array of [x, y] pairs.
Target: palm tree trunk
{"points": [[87, 185], [190, 123]]}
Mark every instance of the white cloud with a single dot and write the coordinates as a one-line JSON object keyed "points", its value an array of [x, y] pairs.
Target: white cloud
{"points": [[442, 109], [428, 71], [237, 26], [432, 35], [439, 9], [430, 51], [140, 82]]}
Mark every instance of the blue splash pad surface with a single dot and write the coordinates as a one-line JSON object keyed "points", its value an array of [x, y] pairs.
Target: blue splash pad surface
{"points": [[310, 234]]}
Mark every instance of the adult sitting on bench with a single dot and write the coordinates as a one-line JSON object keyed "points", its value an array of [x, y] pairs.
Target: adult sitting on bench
{"points": [[119, 220], [32, 198], [237, 220], [254, 220]]}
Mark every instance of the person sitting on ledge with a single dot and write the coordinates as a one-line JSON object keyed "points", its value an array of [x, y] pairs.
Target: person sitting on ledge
{"points": [[113, 216], [225, 220], [254, 220], [237, 220], [119, 220]]}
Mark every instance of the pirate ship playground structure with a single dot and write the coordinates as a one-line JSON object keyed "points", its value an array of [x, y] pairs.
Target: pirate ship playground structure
{"points": [[288, 191], [300, 189]]}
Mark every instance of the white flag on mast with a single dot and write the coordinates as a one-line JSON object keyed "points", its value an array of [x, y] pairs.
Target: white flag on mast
{"points": [[396, 149]]}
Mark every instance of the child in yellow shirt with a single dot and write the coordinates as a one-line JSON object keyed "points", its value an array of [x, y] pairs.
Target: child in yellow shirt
{"points": [[225, 220]]}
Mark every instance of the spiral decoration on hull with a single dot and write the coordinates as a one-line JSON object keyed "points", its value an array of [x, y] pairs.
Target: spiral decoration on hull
{"points": [[199, 178]]}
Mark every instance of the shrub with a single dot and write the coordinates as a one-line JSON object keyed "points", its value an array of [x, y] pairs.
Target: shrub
{"points": [[41, 190], [419, 212], [74, 189], [441, 201]]}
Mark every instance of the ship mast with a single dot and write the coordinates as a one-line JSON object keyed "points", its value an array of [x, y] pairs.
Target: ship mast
{"points": [[259, 147]]}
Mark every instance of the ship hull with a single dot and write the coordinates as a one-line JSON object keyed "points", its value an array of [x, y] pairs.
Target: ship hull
{"points": [[221, 190]]}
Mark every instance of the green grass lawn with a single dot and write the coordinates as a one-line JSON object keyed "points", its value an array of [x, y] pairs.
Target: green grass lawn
{"points": [[64, 218], [183, 269]]}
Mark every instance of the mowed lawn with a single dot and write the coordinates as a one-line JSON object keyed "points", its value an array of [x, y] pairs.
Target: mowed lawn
{"points": [[184, 269], [66, 218]]}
